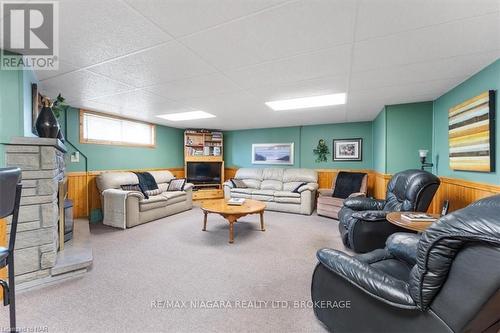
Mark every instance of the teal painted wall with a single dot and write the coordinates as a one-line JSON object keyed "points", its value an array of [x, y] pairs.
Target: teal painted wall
{"points": [[379, 142], [168, 152], [486, 79], [238, 144], [409, 128], [12, 104]]}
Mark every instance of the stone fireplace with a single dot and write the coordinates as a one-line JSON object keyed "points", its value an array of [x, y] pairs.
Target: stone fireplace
{"points": [[43, 169]]}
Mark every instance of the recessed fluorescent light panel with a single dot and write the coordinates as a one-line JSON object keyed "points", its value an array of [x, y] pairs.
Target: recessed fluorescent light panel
{"points": [[186, 115], [307, 102]]}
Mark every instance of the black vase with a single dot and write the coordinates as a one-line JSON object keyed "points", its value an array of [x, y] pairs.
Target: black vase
{"points": [[46, 124]]}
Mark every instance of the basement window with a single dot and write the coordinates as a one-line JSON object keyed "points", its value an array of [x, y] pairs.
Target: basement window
{"points": [[98, 128]]}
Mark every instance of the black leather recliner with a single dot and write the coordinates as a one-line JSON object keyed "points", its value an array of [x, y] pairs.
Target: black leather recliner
{"points": [[446, 280], [362, 222]]}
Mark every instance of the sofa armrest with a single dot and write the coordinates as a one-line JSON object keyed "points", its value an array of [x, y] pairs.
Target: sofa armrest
{"points": [[371, 281], [362, 203], [371, 215], [308, 187], [228, 183], [136, 194], [325, 192], [188, 186], [403, 245]]}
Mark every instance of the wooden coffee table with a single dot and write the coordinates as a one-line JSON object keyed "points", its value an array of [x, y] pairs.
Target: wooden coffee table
{"points": [[232, 212], [395, 218]]}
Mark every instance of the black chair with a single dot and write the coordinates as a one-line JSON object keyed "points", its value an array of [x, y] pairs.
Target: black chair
{"points": [[362, 223], [446, 280], [10, 197]]}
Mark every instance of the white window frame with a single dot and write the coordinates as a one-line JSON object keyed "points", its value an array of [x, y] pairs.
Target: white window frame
{"points": [[115, 143]]}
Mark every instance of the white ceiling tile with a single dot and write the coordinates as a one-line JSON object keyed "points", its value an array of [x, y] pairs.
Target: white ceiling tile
{"points": [[92, 31], [64, 67], [305, 88], [200, 86], [139, 100], [188, 16], [82, 85], [283, 31], [158, 65], [332, 61], [473, 35], [422, 72], [385, 17]]}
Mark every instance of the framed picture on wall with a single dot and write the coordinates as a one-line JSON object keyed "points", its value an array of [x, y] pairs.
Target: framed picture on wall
{"points": [[272, 153], [36, 106], [348, 149]]}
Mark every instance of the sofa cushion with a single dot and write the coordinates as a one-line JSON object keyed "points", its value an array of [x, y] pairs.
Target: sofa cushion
{"points": [[249, 173], [270, 184], [241, 195], [273, 174], [113, 179], [290, 186], [330, 201], [300, 175], [162, 176], [153, 202], [242, 190], [287, 200], [263, 192], [174, 196], [263, 195], [252, 183], [286, 194]]}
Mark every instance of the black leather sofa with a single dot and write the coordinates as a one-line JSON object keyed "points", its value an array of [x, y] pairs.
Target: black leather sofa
{"points": [[362, 223], [446, 280]]}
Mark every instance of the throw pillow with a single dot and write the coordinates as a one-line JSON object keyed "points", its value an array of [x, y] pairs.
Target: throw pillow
{"points": [[296, 190], [347, 183], [153, 192], [131, 187], [238, 183], [135, 187], [176, 184]]}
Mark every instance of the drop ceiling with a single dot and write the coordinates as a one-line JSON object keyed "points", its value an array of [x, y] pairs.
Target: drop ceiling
{"points": [[143, 58]]}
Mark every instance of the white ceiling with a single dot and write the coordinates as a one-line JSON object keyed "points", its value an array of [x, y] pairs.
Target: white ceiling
{"points": [[141, 58]]}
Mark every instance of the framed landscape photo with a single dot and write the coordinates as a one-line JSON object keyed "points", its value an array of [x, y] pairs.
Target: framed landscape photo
{"points": [[272, 153], [348, 149]]}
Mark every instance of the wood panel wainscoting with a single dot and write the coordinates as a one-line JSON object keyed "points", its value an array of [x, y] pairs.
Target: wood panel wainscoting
{"points": [[82, 189], [458, 192]]}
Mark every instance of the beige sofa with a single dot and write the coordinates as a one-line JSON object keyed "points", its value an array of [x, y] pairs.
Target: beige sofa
{"points": [[130, 208], [274, 186]]}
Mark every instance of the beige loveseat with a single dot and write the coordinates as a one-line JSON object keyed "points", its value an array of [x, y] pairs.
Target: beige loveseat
{"points": [[129, 208], [274, 186]]}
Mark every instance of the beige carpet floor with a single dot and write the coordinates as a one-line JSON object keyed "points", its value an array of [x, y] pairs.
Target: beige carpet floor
{"points": [[136, 271]]}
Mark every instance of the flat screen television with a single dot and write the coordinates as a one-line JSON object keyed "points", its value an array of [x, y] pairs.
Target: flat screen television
{"points": [[203, 172]]}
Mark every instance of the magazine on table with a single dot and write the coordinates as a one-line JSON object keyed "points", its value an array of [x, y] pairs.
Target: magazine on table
{"points": [[236, 201], [418, 217]]}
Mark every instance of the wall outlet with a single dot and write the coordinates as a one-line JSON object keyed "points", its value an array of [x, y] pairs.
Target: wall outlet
{"points": [[75, 157]]}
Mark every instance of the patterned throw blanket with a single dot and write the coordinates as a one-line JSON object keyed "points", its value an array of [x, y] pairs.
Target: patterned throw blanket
{"points": [[146, 181]]}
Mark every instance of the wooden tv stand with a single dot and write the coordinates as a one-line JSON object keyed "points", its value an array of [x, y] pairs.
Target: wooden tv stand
{"points": [[204, 146]]}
